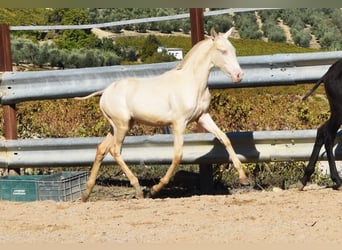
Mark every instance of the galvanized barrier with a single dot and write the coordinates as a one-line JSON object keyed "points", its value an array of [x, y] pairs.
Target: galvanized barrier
{"points": [[264, 146], [269, 70], [265, 70], [134, 21]]}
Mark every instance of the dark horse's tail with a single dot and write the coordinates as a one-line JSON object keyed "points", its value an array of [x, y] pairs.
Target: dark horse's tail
{"points": [[331, 73], [313, 88]]}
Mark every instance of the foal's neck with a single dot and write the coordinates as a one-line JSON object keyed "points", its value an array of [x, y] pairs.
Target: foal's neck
{"points": [[197, 61]]}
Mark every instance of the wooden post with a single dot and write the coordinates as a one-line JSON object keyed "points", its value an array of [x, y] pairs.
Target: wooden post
{"points": [[10, 121], [197, 34], [9, 113]]}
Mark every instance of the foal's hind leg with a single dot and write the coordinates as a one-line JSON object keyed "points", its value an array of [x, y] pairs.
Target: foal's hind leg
{"points": [[207, 122], [102, 150], [115, 150]]}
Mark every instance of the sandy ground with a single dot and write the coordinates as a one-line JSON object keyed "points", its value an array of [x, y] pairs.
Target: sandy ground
{"points": [[291, 216]]}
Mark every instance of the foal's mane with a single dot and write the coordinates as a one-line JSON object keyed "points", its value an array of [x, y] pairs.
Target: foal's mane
{"points": [[194, 49]]}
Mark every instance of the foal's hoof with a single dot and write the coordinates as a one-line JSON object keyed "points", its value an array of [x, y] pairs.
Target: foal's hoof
{"points": [[244, 181], [139, 194], [153, 193], [84, 197], [300, 186]]}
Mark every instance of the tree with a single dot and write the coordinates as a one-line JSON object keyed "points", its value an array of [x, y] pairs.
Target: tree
{"points": [[158, 57], [165, 27], [301, 38], [107, 44], [58, 58], [17, 44], [111, 59], [76, 39], [69, 16], [150, 46], [247, 26], [221, 23], [43, 55], [276, 34], [30, 52]]}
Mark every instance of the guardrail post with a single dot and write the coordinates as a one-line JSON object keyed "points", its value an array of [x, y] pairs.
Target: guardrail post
{"points": [[197, 34], [9, 113]]}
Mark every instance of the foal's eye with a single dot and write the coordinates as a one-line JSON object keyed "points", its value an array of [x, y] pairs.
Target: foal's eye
{"points": [[224, 52]]}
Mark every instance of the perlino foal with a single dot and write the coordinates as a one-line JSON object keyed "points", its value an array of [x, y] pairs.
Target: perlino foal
{"points": [[176, 97]]}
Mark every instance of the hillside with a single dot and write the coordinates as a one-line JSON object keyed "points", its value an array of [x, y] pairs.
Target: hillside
{"points": [[306, 27]]}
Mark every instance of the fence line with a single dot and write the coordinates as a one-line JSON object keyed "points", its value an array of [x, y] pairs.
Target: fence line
{"points": [[269, 70], [132, 21], [199, 148], [265, 70]]}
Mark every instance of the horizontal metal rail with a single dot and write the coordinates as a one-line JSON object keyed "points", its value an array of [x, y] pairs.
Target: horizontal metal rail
{"points": [[265, 70], [133, 21], [199, 148]]}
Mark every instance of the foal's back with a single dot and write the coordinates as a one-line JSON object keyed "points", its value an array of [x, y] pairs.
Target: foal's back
{"points": [[158, 100]]}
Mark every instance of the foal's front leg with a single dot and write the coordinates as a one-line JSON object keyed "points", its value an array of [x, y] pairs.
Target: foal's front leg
{"points": [[177, 157], [207, 122]]}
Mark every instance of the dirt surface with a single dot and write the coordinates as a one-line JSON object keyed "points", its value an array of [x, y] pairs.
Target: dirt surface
{"points": [[291, 216]]}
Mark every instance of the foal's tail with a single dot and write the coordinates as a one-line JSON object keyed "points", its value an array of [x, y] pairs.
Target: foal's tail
{"points": [[313, 89], [100, 92]]}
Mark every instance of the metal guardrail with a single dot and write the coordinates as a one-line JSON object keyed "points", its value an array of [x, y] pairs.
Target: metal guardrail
{"points": [[266, 70], [134, 21], [265, 146], [279, 69]]}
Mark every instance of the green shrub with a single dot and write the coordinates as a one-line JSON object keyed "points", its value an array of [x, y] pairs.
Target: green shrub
{"points": [[301, 37]]}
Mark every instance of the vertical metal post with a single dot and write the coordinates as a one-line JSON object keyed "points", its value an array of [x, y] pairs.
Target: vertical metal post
{"points": [[197, 34], [8, 111]]}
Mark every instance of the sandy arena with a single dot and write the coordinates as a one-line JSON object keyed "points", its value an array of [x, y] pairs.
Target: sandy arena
{"points": [[291, 216]]}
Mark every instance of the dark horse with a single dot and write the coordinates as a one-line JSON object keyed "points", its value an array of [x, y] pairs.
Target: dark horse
{"points": [[327, 132]]}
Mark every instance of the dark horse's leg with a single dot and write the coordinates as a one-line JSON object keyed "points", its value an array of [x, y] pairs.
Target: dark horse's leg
{"points": [[313, 158], [326, 135], [332, 127]]}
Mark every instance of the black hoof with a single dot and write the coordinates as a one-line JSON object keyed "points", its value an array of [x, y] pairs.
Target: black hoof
{"points": [[147, 193], [338, 187]]}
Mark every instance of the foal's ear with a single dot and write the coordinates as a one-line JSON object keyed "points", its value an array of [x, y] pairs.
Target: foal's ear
{"points": [[213, 33], [228, 33]]}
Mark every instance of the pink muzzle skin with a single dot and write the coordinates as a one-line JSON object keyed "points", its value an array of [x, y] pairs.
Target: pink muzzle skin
{"points": [[237, 76]]}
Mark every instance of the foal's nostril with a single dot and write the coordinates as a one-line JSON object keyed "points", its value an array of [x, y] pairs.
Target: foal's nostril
{"points": [[239, 76]]}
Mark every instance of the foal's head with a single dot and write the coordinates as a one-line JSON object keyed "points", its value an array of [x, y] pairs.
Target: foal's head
{"points": [[223, 55]]}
